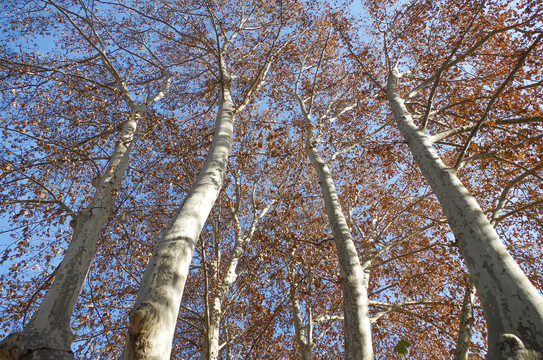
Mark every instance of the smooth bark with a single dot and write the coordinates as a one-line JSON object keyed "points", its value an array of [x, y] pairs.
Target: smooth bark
{"points": [[154, 315], [513, 306], [215, 307], [302, 333], [48, 334], [466, 322], [213, 331], [357, 329]]}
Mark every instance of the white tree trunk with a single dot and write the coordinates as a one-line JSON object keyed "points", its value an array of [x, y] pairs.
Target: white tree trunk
{"points": [[303, 338], [357, 330], [512, 305], [153, 318], [211, 352], [213, 331], [466, 322], [214, 321], [48, 335]]}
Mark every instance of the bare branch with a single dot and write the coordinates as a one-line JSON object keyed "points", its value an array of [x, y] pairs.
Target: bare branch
{"points": [[101, 51], [398, 242], [494, 98], [355, 144], [357, 58], [498, 152], [462, 129], [438, 74], [461, 58]]}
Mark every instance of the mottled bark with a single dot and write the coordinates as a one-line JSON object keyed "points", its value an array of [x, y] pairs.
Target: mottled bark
{"points": [[153, 317], [512, 305], [302, 333], [211, 352], [213, 330], [48, 335], [466, 322], [357, 330]]}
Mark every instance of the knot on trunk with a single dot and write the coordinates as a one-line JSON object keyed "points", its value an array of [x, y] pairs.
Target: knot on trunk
{"points": [[143, 316], [512, 348], [128, 131], [143, 320]]}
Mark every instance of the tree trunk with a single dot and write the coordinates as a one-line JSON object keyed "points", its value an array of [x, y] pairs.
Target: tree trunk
{"points": [[301, 332], [358, 343], [211, 352], [48, 335], [512, 305], [466, 322], [153, 317], [214, 323], [213, 331]]}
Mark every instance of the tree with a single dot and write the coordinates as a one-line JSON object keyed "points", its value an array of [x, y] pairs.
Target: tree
{"points": [[48, 333], [328, 107], [466, 321], [502, 285], [153, 317], [354, 279], [63, 111]]}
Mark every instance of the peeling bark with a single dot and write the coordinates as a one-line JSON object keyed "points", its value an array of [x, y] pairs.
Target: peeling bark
{"points": [[357, 329], [305, 344], [241, 243], [153, 318], [48, 334], [211, 339], [466, 322], [511, 303]]}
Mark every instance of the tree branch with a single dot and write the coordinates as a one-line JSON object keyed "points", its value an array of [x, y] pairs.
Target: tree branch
{"points": [[494, 98]]}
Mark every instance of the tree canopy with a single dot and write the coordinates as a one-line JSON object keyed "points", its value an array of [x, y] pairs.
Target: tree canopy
{"points": [[363, 166]]}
